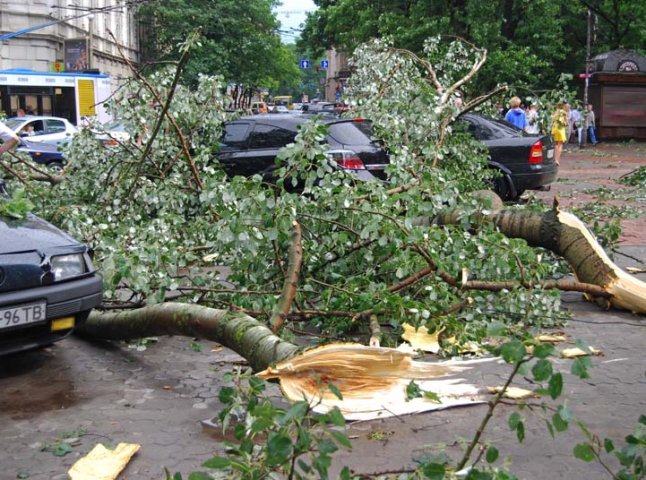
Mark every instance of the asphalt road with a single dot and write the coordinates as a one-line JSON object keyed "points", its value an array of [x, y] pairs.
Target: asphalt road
{"points": [[84, 393]]}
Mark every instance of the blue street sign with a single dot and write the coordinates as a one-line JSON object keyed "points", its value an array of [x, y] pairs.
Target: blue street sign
{"points": [[325, 64], [305, 64]]}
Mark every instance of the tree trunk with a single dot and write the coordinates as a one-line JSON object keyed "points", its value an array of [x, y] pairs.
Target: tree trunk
{"points": [[565, 235], [239, 332]]}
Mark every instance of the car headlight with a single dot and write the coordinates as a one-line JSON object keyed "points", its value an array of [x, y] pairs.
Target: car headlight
{"points": [[68, 266]]}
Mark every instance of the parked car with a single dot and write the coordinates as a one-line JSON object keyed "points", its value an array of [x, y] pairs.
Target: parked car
{"points": [[526, 162], [51, 130], [280, 109], [250, 144], [48, 284], [112, 134], [44, 154]]}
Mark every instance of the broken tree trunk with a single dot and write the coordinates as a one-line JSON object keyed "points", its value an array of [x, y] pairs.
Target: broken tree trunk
{"points": [[237, 331], [565, 235], [372, 380]]}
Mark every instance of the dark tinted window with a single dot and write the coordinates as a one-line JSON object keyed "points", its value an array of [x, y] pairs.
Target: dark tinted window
{"points": [[269, 136], [350, 133], [235, 134], [490, 129], [55, 126]]}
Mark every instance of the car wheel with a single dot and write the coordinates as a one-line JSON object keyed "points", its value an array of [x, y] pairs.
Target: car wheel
{"points": [[504, 187], [56, 167]]}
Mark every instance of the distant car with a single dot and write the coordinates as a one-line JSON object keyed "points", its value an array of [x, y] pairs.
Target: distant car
{"points": [[526, 162], [112, 134], [280, 109], [43, 153], [48, 284], [43, 129], [250, 145], [259, 107]]}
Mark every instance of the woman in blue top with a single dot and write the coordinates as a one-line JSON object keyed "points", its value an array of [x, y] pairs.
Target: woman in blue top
{"points": [[516, 115]]}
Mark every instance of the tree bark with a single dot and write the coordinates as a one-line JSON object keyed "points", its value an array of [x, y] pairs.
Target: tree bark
{"points": [[239, 332], [565, 235]]}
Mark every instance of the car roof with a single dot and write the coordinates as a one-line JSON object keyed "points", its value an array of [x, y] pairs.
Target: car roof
{"points": [[26, 118], [288, 122]]}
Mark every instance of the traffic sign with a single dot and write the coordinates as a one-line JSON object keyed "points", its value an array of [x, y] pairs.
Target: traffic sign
{"points": [[305, 64], [325, 64]]}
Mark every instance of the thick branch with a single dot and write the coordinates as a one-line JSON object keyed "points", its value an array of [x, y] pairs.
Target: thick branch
{"points": [[284, 304], [237, 331]]}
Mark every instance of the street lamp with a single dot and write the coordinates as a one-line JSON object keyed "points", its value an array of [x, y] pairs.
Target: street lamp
{"points": [[90, 39]]}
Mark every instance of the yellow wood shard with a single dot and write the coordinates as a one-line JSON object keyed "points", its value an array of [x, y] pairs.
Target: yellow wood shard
{"points": [[577, 352], [420, 339], [515, 393], [371, 380], [102, 463]]}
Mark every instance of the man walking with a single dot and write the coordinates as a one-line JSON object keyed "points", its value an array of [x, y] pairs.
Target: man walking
{"points": [[590, 124]]}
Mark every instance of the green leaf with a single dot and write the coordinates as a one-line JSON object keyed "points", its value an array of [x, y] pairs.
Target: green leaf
{"points": [[491, 455], [434, 471], [217, 463], [226, 394], [199, 476], [513, 352], [345, 474], [341, 438], [279, 448], [555, 386], [335, 391], [514, 420], [608, 445], [520, 432], [542, 370], [432, 396], [560, 424], [296, 413], [336, 417], [257, 384], [543, 350], [580, 367], [584, 451], [413, 391]]}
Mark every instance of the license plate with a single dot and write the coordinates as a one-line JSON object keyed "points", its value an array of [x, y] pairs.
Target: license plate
{"points": [[22, 314], [550, 153]]}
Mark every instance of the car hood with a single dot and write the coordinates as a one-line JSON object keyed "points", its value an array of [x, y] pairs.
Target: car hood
{"points": [[32, 233]]}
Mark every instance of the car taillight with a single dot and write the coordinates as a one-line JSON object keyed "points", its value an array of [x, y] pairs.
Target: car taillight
{"points": [[536, 153], [346, 159]]}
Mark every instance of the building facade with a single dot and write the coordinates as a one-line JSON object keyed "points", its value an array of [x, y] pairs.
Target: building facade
{"points": [[59, 35]]}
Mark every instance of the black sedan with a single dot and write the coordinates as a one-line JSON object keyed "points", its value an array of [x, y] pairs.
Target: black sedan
{"points": [[526, 162], [48, 284], [250, 145]]}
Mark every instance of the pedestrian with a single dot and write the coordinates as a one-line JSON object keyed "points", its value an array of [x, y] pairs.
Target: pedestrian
{"points": [[533, 126], [559, 130], [575, 120], [516, 115], [8, 137], [20, 112], [590, 124]]}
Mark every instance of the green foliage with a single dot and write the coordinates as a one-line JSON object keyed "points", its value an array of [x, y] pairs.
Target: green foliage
{"points": [[529, 43], [270, 440], [238, 40], [636, 178], [17, 206], [631, 457]]}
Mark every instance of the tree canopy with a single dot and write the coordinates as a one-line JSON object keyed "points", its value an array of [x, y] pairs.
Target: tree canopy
{"points": [[238, 40], [530, 43]]}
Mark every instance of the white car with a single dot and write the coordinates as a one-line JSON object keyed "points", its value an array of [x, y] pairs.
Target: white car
{"points": [[41, 129], [280, 109]]}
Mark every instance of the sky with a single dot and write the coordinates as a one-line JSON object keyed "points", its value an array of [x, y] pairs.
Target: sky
{"points": [[291, 14]]}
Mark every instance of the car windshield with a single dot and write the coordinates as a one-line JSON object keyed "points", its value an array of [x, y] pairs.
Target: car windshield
{"points": [[14, 123]]}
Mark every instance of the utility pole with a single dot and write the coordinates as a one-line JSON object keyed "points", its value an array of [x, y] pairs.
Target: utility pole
{"points": [[90, 40], [587, 72]]}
